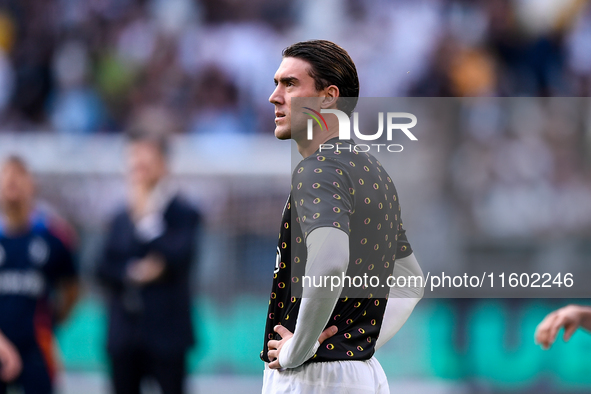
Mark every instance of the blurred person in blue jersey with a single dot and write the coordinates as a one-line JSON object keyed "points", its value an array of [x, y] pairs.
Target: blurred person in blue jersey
{"points": [[38, 282], [145, 269]]}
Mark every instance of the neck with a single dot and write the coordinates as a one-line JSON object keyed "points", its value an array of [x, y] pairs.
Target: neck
{"points": [[141, 200], [16, 218], [145, 188], [307, 147]]}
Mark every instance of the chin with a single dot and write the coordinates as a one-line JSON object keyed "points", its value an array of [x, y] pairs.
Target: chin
{"points": [[282, 134]]}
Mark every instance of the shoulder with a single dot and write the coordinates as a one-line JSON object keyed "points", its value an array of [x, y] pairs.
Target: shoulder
{"points": [[54, 227], [321, 163], [180, 206], [320, 169], [118, 220], [119, 214]]}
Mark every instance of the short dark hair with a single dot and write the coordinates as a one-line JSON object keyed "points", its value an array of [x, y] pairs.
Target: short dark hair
{"points": [[17, 161], [329, 65], [159, 141]]}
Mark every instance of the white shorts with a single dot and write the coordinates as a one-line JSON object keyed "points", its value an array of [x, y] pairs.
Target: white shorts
{"points": [[331, 377]]}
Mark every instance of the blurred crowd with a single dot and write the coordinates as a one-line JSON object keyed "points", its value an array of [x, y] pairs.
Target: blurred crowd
{"points": [[206, 66], [520, 167]]}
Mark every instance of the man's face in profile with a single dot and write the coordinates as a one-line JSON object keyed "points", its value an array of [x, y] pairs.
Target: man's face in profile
{"points": [[292, 79]]}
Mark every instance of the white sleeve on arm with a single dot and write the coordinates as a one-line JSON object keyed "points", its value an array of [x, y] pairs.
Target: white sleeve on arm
{"points": [[328, 254], [401, 300]]}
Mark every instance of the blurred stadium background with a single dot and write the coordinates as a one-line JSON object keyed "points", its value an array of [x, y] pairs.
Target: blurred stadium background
{"points": [[507, 183]]}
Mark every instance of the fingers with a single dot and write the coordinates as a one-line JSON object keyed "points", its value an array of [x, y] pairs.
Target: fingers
{"points": [[273, 354], [282, 331], [568, 317], [147, 269], [569, 330], [274, 365], [329, 332], [543, 335], [273, 344], [556, 324]]}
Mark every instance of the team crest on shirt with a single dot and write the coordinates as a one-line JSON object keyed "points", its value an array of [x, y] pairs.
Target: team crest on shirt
{"points": [[38, 251], [2, 255]]}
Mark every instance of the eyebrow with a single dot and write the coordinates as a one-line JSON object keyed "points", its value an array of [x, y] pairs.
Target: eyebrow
{"points": [[286, 80]]}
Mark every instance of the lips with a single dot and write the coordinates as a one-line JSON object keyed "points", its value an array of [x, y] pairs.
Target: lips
{"points": [[279, 116]]}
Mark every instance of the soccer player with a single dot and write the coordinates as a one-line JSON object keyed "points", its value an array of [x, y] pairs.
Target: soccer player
{"points": [[38, 282], [346, 219], [570, 318]]}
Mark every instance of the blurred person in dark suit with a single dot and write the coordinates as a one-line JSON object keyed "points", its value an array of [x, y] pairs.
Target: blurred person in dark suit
{"points": [[145, 269], [38, 282]]}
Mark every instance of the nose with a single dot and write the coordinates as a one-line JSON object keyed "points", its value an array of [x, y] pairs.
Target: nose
{"points": [[276, 98]]}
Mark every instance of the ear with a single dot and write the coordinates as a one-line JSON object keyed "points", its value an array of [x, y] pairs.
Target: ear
{"points": [[331, 95]]}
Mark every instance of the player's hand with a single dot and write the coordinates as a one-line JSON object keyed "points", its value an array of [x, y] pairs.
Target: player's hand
{"points": [[10, 360], [569, 317], [147, 269], [275, 346]]}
